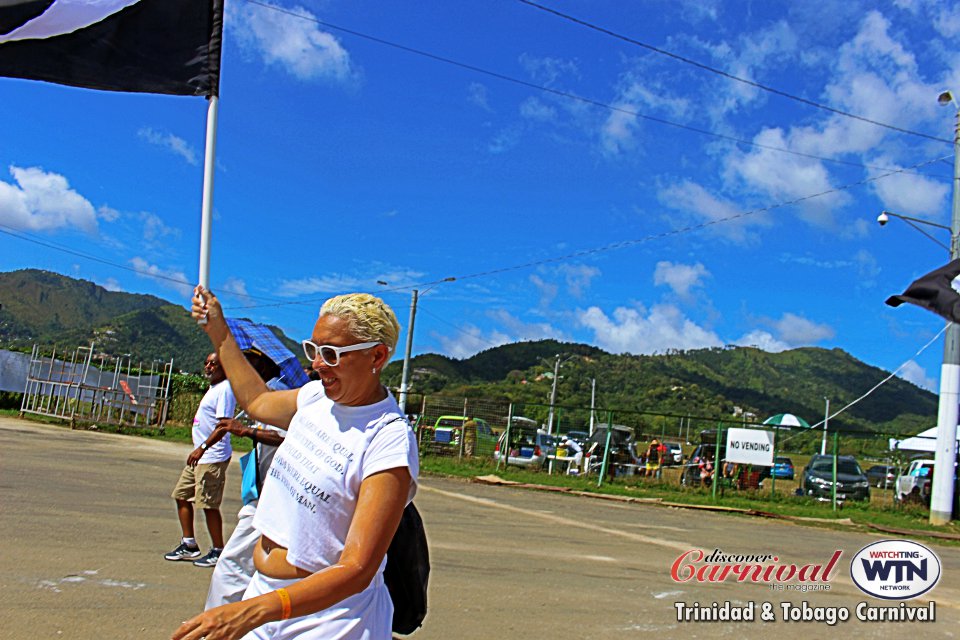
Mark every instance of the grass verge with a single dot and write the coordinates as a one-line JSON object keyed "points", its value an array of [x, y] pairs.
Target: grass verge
{"points": [[805, 510]]}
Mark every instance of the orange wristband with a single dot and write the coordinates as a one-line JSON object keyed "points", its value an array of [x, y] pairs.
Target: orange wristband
{"points": [[284, 603]]}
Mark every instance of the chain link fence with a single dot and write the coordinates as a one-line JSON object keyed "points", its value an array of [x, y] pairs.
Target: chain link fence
{"points": [[654, 449], [650, 449]]}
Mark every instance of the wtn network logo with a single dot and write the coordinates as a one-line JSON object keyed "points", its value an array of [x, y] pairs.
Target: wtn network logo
{"points": [[895, 569]]}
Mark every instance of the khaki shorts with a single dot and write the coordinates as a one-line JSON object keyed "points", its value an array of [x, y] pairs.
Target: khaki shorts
{"points": [[202, 485]]}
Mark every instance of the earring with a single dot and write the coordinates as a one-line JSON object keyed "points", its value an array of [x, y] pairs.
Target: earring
{"points": [[374, 371]]}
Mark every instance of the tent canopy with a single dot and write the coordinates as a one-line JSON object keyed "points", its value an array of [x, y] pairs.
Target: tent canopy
{"points": [[924, 441]]}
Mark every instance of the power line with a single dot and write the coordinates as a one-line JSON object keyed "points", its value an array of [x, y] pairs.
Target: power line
{"points": [[688, 229], [563, 94], [10, 231], [478, 338], [629, 243], [729, 76]]}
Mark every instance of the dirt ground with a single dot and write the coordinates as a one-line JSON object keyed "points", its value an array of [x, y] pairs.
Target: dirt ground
{"points": [[85, 518]]}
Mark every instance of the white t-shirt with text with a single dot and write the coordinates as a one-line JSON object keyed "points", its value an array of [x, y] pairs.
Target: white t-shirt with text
{"points": [[310, 495]]}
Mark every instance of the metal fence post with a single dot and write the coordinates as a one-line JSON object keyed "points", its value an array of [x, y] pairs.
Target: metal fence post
{"points": [[716, 459]]}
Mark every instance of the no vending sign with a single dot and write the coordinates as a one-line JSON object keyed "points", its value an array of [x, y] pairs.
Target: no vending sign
{"points": [[750, 446]]}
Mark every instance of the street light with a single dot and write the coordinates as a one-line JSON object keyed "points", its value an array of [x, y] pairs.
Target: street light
{"points": [[941, 497], [945, 455], [405, 376]]}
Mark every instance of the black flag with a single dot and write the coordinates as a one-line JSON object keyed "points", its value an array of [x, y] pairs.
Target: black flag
{"points": [[935, 292], [145, 46]]}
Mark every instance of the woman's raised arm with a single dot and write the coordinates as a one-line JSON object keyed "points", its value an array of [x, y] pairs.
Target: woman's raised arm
{"points": [[253, 395]]}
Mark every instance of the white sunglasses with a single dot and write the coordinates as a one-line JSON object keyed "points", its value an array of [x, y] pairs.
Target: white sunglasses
{"points": [[331, 354]]}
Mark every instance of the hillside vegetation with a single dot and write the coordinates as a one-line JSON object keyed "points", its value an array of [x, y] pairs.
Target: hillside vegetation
{"points": [[48, 308]]}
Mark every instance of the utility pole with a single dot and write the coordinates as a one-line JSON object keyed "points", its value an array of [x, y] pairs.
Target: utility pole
{"points": [[405, 377], [941, 497], [553, 394]]}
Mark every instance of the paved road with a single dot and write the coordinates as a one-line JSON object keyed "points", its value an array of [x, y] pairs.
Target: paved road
{"points": [[85, 518]]}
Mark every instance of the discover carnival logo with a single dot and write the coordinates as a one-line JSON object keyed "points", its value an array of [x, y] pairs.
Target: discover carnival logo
{"points": [[895, 569]]}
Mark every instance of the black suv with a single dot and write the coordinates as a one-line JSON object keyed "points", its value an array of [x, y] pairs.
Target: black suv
{"points": [[852, 483]]}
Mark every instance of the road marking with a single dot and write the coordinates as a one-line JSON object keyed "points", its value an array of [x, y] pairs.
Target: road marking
{"points": [[669, 544]]}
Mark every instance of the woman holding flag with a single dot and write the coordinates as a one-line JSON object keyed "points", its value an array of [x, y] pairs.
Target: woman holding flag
{"points": [[337, 486]]}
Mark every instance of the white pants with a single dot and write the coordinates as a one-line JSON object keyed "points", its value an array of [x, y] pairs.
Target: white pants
{"points": [[234, 569], [363, 616], [574, 465]]}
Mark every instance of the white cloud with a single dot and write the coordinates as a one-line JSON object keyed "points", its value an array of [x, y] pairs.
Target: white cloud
{"points": [[913, 372], [111, 284], [337, 283], [947, 22], [799, 331], [469, 341], [548, 71], [783, 177], [41, 201], [692, 198], [535, 109], [762, 340], [504, 141], [680, 277], [637, 95], [108, 214], [333, 283], [170, 278], [548, 290], [235, 286], [294, 43], [918, 194], [578, 277], [633, 330], [155, 229], [170, 142], [478, 95], [522, 331]]}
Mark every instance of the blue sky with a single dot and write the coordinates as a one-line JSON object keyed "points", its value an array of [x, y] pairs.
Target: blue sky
{"points": [[564, 176]]}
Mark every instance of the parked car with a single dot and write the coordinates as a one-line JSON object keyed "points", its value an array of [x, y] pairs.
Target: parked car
{"points": [[527, 449], [674, 453], [707, 448], [882, 476], [623, 447], [783, 468], [580, 437], [479, 438], [851, 483], [916, 484]]}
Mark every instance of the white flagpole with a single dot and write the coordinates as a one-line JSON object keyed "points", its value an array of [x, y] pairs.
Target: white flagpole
{"points": [[206, 213]]}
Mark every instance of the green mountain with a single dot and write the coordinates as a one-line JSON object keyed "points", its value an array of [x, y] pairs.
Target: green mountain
{"points": [[50, 309], [740, 383], [37, 305], [716, 384]]}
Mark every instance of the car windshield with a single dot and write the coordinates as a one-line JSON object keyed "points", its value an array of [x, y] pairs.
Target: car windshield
{"points": [[783, 461], [450, 422], [848, 467]]}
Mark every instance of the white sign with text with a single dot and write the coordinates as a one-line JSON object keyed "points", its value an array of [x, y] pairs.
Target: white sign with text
{"points": [[750, 446]]}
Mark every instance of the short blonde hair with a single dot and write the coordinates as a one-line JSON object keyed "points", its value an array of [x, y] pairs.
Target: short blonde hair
{"points": [[369, 318]]}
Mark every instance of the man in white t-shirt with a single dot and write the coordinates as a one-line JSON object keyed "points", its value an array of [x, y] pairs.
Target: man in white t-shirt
{"points": [[576, 452], [202, 480]]}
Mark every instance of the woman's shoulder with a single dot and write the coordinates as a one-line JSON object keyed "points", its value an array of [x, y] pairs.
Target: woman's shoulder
{"points": [[310, 393]]}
